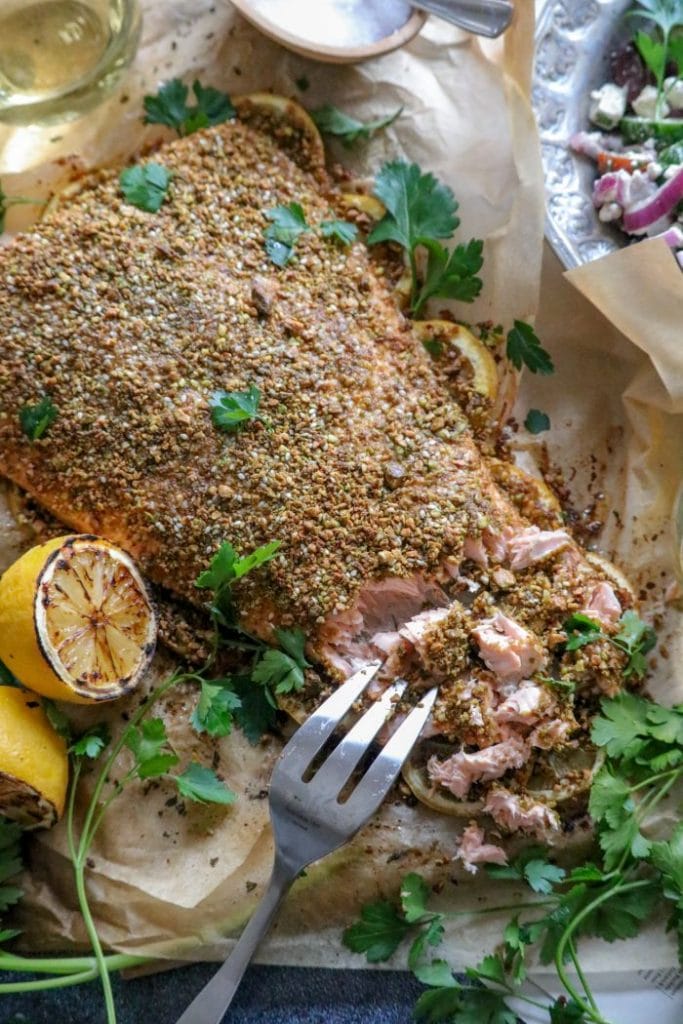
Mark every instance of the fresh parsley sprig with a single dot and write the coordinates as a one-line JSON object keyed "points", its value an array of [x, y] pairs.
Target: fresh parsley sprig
{"points": [[145, 185], [170, 107], [421, 211], [664, 44], [349, 129], [287, 224], [635, 638], [641, 747], [231, 410]]}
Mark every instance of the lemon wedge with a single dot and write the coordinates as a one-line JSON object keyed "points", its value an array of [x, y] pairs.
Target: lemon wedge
{"points": [[34, 768], [76, 620]]}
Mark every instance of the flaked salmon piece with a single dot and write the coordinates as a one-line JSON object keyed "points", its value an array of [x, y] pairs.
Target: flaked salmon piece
{"points": [[520, 813], [474, 549], [473, 850], [459, 772], [525, 706], [604, 605], [356, 635], [551, 734], [534, 545], [511, 652], [496, 543]]}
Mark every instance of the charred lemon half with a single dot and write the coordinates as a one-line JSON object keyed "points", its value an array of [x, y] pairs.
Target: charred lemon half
{"points": [[34, 769], [76, 620]]}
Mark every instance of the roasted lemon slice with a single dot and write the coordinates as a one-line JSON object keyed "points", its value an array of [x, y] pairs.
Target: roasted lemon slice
{"points": [[34, 768], [76, 621]]}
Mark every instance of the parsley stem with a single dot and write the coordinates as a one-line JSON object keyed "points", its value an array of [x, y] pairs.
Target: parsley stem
{"points": [[41, 984], [655, 778], [68, 965], [567, 938], [102, 968], [497, 910], [581, 976]]}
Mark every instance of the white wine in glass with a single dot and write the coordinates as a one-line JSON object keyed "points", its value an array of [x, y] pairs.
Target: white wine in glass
{"points": [[58, 58]]}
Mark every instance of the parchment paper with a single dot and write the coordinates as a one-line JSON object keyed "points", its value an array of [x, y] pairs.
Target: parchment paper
{"points": [[176, 883]]}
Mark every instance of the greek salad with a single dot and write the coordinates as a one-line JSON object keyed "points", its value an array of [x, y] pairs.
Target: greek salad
{"points": [[637, 141]]}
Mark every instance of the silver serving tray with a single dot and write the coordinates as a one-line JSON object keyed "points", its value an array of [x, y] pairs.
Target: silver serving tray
{"points": [[573, 42]]}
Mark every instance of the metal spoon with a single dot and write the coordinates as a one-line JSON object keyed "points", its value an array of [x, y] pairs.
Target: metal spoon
{"points": [[483, 17]]}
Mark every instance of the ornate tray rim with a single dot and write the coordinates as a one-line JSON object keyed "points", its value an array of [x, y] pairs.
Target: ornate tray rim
{"points": [[572, 46]]}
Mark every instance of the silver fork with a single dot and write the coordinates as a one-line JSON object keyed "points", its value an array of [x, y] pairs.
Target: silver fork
{"points": [[309, 820]]}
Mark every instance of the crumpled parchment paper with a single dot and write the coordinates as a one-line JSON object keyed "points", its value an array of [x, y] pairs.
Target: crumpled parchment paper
{"points": [[174, 882]]}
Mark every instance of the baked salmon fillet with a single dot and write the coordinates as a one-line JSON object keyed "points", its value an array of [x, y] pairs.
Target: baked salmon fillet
{"points": [[397, 537]]}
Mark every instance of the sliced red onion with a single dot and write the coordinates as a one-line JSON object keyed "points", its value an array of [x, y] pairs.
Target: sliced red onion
{"points": [[639, 218], [673, 236]]}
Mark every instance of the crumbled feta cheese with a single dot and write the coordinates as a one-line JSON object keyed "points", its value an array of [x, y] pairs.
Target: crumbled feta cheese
{"points": [[645, 103], [673, 91], [654, 170], [609, 212], [608, 105]]}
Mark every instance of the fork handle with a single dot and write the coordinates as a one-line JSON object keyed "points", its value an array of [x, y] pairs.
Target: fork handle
{"points": [[214, 999]]}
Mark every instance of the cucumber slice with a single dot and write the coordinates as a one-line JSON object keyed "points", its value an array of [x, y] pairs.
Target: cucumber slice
{"points": [[671, 155], [640, 129]]}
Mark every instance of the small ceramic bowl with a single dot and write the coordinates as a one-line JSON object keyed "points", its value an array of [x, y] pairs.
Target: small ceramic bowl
{"points": [[332, 54]]}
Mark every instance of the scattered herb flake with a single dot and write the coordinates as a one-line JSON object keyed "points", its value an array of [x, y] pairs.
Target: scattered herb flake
{"points": [[341, 231], [36, 419], [537, 422], [525, 349]]}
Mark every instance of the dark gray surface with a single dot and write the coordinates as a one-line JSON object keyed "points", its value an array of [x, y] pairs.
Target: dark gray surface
{"points": [[268, 995]]}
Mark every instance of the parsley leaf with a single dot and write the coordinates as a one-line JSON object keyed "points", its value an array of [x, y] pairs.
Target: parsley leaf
{"points": [[418, 206], [581, 630], [36, 419], [414, 896], [531, 866], [287, 224], [332, 121], [537, 422], [91, 743], [653, 53], [230, 410], [214, 711], [450, 275], [341, 230], [437, 974], [170, 107], [257, 712], [621, 916], [283, 670], [148, 743], [636, 639], [623, 725], [203, 786], [524, 349], [668, 859], [226, 567], [459, 1005], [379, 932], [145, 185]]}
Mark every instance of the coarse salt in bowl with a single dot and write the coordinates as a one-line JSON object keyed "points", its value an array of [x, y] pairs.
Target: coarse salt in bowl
{"points": [[337, 31]]}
